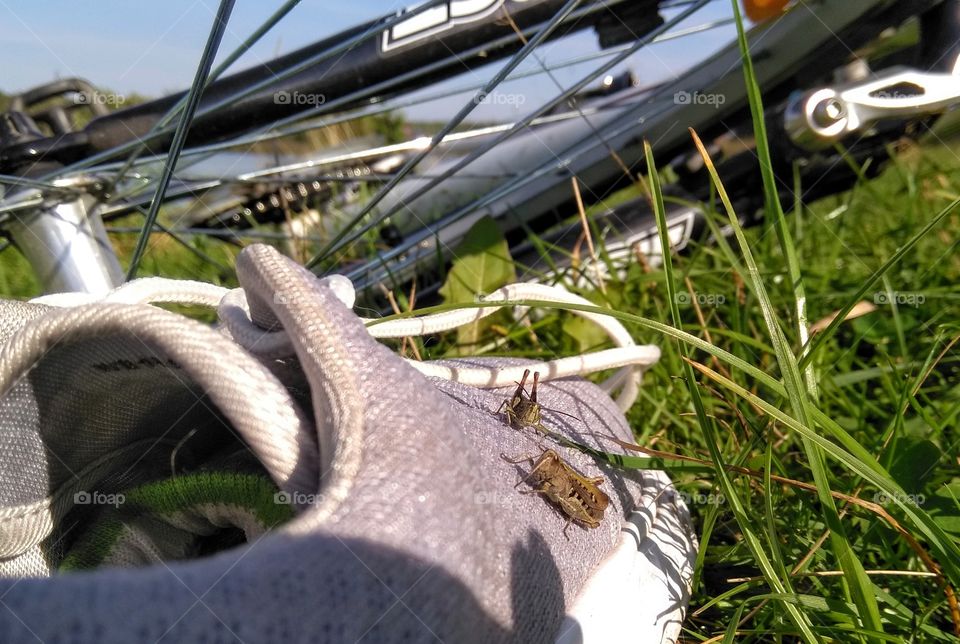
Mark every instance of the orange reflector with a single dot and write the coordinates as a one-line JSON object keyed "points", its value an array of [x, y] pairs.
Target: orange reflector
{"points": [[760, 10]]}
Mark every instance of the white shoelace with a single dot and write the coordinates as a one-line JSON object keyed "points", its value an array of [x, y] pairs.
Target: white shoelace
{"points": [[629, 358]]}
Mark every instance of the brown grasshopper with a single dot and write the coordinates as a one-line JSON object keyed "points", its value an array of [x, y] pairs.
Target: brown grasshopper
{"points": [[575, 494], [522, 410]]}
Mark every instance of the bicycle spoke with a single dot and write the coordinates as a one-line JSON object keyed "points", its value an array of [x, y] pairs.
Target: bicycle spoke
{"points": [[180, 136], [523, 123], [391, 106], [177, 236], [386, 87], [500, 193], [357, 165], [620, 53], [217, 232], [222, 67], [29, 183]]}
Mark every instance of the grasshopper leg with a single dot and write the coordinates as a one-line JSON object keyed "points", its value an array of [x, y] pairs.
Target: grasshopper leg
{"points": [[514, 461], [544, 489]]}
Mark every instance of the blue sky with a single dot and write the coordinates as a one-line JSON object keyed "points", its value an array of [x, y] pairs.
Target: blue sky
{"points": [[152, 47]]}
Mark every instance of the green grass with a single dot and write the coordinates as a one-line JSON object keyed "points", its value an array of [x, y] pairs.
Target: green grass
{"points": [[849, 525], [871, 379], [877, 436]]}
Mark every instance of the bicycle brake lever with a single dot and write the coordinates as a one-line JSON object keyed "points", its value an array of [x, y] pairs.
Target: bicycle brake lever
{"points": [[823, 116]]}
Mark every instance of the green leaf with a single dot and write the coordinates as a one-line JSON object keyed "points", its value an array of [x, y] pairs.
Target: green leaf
{"points": [[944, 507], [915, 462], [587, 334], [482, 265]]}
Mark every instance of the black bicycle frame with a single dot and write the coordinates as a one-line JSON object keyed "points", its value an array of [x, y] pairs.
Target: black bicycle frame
{"points": [[452, 33]]}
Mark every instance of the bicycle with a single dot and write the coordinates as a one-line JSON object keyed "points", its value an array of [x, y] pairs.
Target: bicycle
{"points": [[62, 183]]}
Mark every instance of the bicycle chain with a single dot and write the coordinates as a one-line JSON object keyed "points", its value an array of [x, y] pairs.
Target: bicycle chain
{"points": [[272, 206]]}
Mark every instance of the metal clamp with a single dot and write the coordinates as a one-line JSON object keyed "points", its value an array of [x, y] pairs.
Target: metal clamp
{"points": [[823, 116], [65, 242]]}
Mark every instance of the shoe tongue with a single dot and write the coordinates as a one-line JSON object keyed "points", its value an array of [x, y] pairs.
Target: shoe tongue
{"points": [[276, 287], [329, 341], [105, 396]]}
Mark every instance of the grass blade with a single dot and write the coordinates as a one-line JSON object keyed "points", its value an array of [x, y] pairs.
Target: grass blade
{"points": [[818, 340], [771, 200], [855, 580], [778, 584]]}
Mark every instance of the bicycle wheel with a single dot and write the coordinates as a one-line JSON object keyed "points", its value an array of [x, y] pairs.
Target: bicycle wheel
{"points": [[388, 207]]}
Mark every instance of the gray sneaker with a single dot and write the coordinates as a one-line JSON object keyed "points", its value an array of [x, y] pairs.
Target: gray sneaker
{"points": [[286, 477]]}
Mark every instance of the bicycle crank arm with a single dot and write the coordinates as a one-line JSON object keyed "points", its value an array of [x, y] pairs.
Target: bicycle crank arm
{"points": [[823, 116]]}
